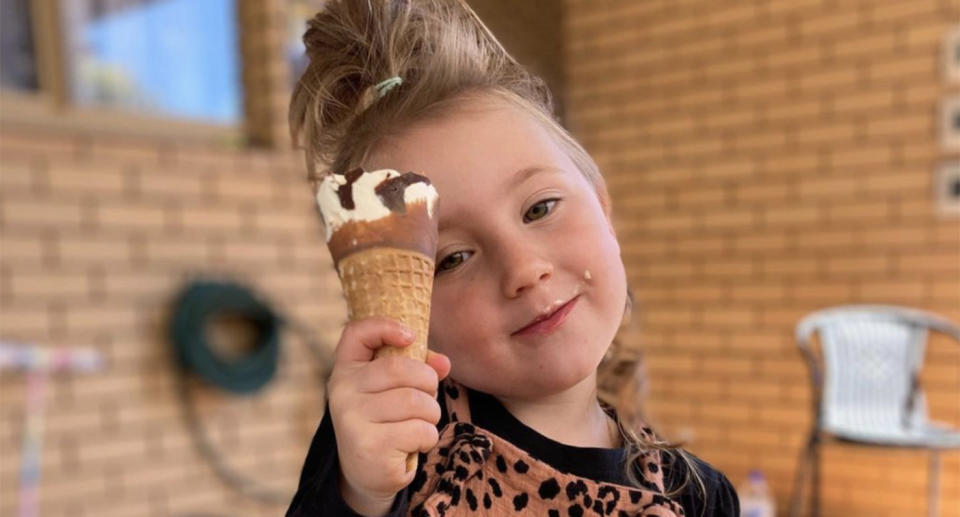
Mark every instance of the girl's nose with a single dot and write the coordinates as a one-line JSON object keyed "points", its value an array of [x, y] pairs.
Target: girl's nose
{"points": [[523, 270]]}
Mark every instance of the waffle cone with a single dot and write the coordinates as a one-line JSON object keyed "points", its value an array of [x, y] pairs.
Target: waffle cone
{"points": [[394, 283]]}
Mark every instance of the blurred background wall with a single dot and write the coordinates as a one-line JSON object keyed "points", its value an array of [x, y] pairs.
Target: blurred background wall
{"points": [[767, 159], [143, 144]]}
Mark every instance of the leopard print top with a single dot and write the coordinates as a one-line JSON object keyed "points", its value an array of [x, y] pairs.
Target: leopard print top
{"points": [[472, 472]]}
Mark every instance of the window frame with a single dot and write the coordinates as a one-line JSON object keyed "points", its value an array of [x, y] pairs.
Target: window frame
{"points": [[50, 106]]}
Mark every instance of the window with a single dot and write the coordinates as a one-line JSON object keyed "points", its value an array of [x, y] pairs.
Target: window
{"points": [[18, 69], [172, 58], [169, 68], [299, 12]]}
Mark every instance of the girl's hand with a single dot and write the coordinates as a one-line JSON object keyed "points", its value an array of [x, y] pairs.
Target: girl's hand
{"points": [[382, 410]]}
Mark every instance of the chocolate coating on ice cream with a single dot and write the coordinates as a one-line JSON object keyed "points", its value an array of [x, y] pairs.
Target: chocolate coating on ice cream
{"points": [[383, 208], [391, 191], [345, 192], [413, 230]]}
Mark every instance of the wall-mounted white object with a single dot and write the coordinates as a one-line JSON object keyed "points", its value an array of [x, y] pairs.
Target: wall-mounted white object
{"points": [[951, 56], [950, 124], [948, 188]]}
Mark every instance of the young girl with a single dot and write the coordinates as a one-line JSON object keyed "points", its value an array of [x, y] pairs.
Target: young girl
{"points": [[528, 294]]}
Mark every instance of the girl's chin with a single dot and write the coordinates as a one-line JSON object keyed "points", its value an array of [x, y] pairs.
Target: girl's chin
{"points": [[530, 382]]}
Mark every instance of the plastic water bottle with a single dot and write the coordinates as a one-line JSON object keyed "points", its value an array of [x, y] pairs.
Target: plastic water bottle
{"points": [[755, 497]]}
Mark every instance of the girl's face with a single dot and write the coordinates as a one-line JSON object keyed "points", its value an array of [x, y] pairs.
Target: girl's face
{"points": [[522, 234]]}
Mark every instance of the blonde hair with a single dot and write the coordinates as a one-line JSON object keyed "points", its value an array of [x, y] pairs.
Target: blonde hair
{"points": [[443, 53]]}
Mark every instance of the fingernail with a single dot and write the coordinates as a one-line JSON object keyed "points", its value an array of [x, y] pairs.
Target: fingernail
{"points": [[407, 334]]}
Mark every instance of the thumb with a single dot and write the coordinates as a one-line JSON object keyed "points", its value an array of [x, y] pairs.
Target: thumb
{"points": [[439, 362]]}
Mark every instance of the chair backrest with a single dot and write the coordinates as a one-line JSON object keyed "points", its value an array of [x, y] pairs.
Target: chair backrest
{"points": [[872, 356]]}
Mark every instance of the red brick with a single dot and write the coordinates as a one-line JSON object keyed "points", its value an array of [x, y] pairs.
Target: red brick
{"points": [[730, 219], [818, 187], [898, 125], [903, 66], [830, 23], [698, 245], [824, 238], [897, 292], [206, 218], [43, 213], [83, 319], [858, 265], [758, 292], [826, 133], [660, 316], [132, 216], [780, 267], [24, 322], [822, 293], [792, 215], [900, 182], [32, 249], [717, 316], [772, 242], [68, 179], [18, 175], [780, 8], [178, 251], [42, 284], [734, 268], [699, 293], [753, 192], [742, 170], [92, 249], [875, 211], [693, 199], [161, 183], [901, 13], [876, 99], [929, 261]]}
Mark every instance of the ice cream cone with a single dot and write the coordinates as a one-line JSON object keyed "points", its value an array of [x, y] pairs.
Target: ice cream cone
{"points": [[394, 283], [382, 236]]}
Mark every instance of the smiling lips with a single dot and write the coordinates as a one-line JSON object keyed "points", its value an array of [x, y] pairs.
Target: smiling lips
{"points": [[542, 325]]}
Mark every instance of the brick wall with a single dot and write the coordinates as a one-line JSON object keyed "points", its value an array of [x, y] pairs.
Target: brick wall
{"points": [[530, 30], [98, 237], [769, 158], [100, 230]]}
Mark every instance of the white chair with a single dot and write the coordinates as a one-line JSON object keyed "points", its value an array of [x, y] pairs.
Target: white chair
{"points": [[866, 389]]}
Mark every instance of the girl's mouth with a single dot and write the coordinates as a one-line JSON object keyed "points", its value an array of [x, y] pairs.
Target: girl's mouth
{"points": [[550, 323]]}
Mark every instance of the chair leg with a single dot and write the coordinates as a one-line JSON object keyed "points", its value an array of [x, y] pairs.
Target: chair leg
{"points": [[801, 476], [816, 454], [933, 484]]}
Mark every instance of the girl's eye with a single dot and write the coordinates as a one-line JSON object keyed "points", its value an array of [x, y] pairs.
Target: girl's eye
{"points": [[540, 210], [451, 261]]}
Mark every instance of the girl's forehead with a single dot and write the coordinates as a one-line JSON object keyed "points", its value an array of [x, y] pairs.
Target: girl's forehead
{"points": [[474, 153], [477, 136]]}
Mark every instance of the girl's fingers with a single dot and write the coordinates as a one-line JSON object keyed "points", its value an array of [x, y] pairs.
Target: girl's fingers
{"points": [[412, 435], [391, 372], [401, 404], [361, 339]]}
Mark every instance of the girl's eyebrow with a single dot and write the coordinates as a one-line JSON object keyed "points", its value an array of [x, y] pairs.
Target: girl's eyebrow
{"points": [[525, 173]]}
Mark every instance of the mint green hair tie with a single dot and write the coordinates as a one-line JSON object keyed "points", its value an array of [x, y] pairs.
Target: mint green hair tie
{"points": [[384, 87]]}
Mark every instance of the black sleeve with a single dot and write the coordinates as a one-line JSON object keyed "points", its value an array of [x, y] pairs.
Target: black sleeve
{"points": [[720, 499], [318, 493]]}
